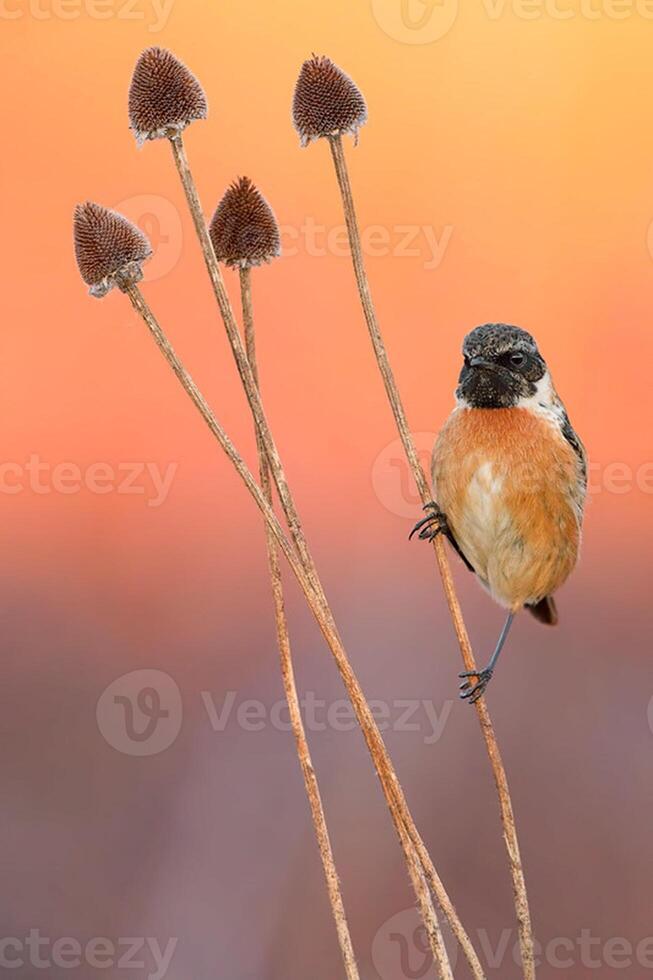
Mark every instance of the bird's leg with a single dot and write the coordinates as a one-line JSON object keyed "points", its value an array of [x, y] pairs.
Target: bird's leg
{"points": [[472, 692], [433, 524]]}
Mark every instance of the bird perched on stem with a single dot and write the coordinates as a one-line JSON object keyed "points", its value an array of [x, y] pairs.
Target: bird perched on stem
{"points": [[510, 479]]}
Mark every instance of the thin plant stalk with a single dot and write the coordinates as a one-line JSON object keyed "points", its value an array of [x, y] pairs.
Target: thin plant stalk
{"points": [[390, 784], [498, 770], [288, 672], [240, 356]]}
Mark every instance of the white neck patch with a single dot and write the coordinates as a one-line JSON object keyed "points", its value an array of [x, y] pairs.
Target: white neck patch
{"points": [[545, 401]]}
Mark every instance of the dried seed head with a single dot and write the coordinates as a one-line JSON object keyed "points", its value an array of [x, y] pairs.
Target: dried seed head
{"points": [[164, 96], [243, 229], [326, 101], [109, 249]]}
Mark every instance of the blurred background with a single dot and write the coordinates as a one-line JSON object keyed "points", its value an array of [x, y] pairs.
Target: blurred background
{"points": [[506, 173]]}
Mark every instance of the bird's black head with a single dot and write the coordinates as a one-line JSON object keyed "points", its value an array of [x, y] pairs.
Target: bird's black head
{"points": [[502, 366]]}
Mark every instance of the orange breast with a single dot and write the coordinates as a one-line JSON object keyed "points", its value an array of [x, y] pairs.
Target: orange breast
{"points": [[509, 484]]}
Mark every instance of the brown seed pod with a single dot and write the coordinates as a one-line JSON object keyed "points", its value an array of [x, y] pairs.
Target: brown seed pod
{"points": [[109, 249], [244, 230], [326, 101], [164, 96]]}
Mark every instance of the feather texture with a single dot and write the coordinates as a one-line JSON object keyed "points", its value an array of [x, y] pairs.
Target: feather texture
{"points": [[511, 487]]}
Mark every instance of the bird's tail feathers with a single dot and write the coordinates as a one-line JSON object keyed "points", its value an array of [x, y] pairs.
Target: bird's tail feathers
{"points": [[545, 611]]}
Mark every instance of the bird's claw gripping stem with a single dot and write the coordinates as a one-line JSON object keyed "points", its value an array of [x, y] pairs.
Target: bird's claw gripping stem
{"points": [[472, 692], [430, 526]]}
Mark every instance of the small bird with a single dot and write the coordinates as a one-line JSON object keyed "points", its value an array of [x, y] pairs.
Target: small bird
{"points": [[510, 480]]}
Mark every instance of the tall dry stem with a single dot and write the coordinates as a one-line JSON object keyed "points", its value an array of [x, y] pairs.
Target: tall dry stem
{"points": [[288, 672], [505, 803]]}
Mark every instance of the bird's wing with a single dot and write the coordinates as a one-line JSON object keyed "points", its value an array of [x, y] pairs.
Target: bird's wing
{"points": [[574, 441], [454, 544], [579, 490]]}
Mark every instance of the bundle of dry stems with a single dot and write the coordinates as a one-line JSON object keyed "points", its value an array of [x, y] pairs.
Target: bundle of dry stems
{"points": [[164, 98]]}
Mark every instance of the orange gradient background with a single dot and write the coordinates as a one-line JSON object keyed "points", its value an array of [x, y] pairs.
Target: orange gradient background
{"points": [[522, 140]]}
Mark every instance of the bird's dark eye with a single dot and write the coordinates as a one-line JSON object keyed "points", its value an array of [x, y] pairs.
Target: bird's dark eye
{"points": [[518, 359]]}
